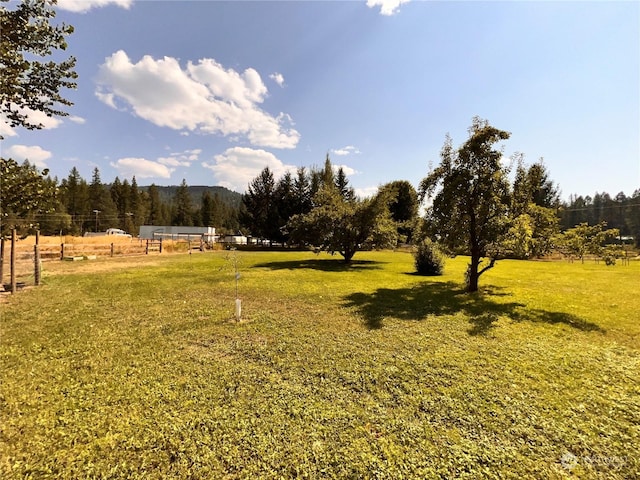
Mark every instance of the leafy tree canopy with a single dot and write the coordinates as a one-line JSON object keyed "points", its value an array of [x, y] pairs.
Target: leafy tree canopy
{"points": [[28, 81], [402, 200], [26, 194], [341, 223], [469, 196], [586, 239]]}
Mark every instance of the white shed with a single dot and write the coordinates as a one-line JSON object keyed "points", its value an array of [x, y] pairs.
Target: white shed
{"points": [[171, 232]]}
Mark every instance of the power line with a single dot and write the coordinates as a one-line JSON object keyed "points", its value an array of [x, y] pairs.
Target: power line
{"points": [[599, 207]]}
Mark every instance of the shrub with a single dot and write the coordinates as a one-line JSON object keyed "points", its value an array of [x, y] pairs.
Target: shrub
{"points": [[428, 258], [611, 253]]}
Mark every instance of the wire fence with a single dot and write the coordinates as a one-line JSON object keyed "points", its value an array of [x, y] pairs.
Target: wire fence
{"points": [[21, 259]]}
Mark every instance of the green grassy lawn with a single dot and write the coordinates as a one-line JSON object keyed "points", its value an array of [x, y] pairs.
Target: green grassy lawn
{"points": [[115, 369]]}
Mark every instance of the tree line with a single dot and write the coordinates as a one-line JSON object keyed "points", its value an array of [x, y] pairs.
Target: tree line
{"points": [[472, 205], [621, 212], [476, 204], [31, 200], [317, 207]]}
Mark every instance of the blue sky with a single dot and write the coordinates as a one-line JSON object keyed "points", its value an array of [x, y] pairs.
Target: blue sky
{"points": [[213, 92]]}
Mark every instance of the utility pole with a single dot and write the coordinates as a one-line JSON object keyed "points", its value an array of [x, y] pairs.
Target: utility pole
{"points": [[96, 212]]}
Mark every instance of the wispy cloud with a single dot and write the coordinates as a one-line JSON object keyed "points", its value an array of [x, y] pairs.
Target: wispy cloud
{"points": [[387, 7], [278, 78], [141, 168], [83, 6], [348, 150], [203, 98], [182, 159]]}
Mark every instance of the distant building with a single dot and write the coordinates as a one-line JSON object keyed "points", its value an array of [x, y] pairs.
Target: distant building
{"points": [[170, 232], [237, 239], [113, 232]]}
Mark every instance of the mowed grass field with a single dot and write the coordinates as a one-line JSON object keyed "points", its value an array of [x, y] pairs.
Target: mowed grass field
{"points": [[136, 368]]}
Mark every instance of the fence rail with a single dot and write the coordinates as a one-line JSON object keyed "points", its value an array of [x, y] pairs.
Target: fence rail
{"points": [[25, 258]]}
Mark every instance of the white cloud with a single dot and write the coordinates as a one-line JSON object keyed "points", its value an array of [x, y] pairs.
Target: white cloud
{"points": [[182, 159], [387, 7], [83, 6], [278, 78], [204, 98], [238, 166], [141, 168], [78, 120], [5, 129], [35, 117], [346, 169], [36, 155], [366, 192], [348, 150]]}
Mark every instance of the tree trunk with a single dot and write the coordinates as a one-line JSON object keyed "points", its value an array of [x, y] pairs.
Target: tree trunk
{"points": [[472, 274], [1, 264], [348, 255], [13, 261]]}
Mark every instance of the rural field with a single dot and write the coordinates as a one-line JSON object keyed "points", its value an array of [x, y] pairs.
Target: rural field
{"points": [[136, 368]]}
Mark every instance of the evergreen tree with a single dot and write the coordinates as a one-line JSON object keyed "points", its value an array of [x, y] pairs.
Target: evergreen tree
{"points": [[543, 191], [100, 205], [156, 215], [218, 213], [206, 209], [402, 201], [260, 215], [75, 199], [342, 184], [302, 192], [137, 211], [182, 214], [534, 212], [286, 205], [327, 176]]}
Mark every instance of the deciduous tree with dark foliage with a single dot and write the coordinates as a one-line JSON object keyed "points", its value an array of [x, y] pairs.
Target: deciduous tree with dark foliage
{"points": [[26, 194], [342, 223], [469, 195]]}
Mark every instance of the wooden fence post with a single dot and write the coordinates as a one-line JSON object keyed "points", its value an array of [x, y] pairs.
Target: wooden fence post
{"points": [[112, 249], [146, 249], [1, 264], [161, 245], [36, 259], [13, 261], [62, 251]]}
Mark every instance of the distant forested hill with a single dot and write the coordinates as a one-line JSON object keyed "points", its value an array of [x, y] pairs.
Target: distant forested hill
{"points": [[226, 196]]}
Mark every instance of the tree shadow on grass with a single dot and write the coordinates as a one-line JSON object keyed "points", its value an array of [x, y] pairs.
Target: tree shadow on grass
{"points": [[447, 298], [325, 265]]}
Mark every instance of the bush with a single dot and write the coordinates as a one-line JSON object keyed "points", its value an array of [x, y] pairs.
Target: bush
{"points": [[428, 258]]}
